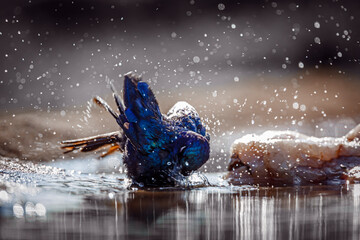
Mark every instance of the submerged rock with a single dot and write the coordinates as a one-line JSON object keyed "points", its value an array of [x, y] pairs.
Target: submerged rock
{"points": [[291, 158]]}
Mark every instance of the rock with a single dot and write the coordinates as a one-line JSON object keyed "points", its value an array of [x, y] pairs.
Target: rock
{"points": [[291, 158]]}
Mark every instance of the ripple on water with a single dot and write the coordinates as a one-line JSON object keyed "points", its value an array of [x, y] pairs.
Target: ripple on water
{"points": [[49, 202], [27, 186]]}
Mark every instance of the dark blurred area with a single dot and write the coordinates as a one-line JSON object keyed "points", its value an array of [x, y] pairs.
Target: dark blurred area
{"points": [[246, 66], [55, 54]]}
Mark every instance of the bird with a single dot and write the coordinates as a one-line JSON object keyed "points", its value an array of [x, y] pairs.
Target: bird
{"points": [[158, 149]]}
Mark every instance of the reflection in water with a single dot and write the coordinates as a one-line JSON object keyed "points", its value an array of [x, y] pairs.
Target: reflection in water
{"points": [[45, 203], [319, 212]]}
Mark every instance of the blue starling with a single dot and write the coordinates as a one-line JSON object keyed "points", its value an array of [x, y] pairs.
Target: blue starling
{"points": [[158, 149]]}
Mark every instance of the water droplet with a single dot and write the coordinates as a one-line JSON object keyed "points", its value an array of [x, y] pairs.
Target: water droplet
{"points": [[295, 105], [30, 209], [111, 195], [18, 210], [302, 107], [4, 196], [214, 93], [221, 6], [196, 59]]}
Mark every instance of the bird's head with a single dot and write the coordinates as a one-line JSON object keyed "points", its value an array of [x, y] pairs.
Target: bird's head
{"points": [[192, 151]]}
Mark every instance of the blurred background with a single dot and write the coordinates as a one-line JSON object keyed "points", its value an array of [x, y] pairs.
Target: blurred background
{"points": [[246, 66]]}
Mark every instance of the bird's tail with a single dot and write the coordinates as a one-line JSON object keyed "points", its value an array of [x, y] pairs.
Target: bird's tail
{"points": [[113, 140]]}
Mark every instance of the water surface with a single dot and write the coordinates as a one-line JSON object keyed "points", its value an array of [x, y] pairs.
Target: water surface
{"points": [[50, 203]]}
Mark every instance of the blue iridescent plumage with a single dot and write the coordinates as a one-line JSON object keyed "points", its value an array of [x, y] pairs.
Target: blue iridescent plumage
{"points": [[158, 149]]}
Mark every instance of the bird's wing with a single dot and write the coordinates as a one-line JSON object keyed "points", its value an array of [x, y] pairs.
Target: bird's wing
{"points": [[182, 114], [114, 140], [142, 120]]}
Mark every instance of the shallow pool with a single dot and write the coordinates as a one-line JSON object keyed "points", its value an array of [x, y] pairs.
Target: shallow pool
{"points": [[50, 203]]}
